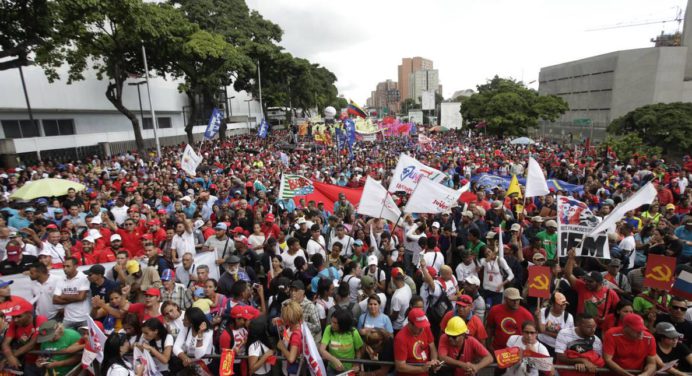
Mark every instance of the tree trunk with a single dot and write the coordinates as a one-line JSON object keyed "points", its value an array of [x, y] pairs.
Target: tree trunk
{"points": [[191, 119], [114, 93]]}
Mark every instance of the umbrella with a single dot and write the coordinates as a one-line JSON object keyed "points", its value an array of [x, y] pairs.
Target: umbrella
{"points": [[45, 188], [522, 141]]}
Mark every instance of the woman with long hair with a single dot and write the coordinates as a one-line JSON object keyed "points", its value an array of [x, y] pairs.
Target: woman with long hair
{"points": [[132, 327], [290, 343], [195, 341], [158, 342], [340, 341], [113, 363], [172, 318], [260, 348]]}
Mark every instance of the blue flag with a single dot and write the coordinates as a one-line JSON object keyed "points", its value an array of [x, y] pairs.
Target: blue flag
{"points": [[214, 124], [263, 129]]}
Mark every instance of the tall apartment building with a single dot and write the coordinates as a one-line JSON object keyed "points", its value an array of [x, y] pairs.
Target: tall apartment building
{"points": [[410, 65], [386, 95], [423, 80]]}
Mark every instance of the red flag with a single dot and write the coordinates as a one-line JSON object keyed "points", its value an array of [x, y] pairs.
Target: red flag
{"points": [[539, 281], [507, 357], [660, 272], [329, 193], [227, 359]]}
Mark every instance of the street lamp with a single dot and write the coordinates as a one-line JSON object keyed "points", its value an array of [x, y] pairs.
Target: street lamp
{"points": [[139, 95]]}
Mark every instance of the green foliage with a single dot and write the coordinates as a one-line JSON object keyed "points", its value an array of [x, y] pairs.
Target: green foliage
{"points": [[668, 125], [409, 104], [509, 108], [26, 26], [626, 146]]}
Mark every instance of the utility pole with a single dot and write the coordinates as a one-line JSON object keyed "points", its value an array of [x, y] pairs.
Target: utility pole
{"points": [[28, 107], [154, 122], [259, 81]]}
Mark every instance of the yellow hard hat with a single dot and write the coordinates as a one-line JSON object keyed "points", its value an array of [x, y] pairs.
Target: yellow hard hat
{"points": [[132, 266], [456, 326]]}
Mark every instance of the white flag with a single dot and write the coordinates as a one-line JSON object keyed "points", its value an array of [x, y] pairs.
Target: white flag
{"points": [[431, 197], [312, 356], [645, 195], [376, 202], [408, 173], [97, 340], [190, 161], [145, 359], [535, 180], [501, 245]]}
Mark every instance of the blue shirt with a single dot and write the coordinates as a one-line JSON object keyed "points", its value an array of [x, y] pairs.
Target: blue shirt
{"points": [[18, 222], [381, 321], [682, 233]]}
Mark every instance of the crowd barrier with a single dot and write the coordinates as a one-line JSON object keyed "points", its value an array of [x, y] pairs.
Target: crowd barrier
{"points": [[22, 283]]}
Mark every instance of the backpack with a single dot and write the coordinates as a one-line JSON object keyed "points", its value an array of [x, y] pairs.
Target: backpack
{"points": [[217, 336], [349, 308], [437, 310]]}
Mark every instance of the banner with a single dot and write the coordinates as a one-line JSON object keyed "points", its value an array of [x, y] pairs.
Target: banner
{"points": [[660, 272], [312, 356], [539, 281], [214, 124], [514, 187], [376, 202], [97, 340], [190, 160], [329, 194], [294, 185], [408, 173], [433, 198], [145, 359], [644, 196], [683, 285], [574, 222], [263, 129], [507, 357], [22, 283], [535, 180], [227, 359], [489, 182]]}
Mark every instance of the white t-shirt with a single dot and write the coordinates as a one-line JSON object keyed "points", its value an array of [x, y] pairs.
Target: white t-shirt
{"points": [[434, 259], [346, 242], [553, 324], [492, 277], [288, 259], [120, 214], [160, 347], [378, 275], [364, 303], [464, 271], [42, 295], [29, 250], [258, 349], [627, 247], [57, 252], [77, 311], [429, 295], [450, 288], [323, 307], [353, 286], [318, 246], [184, 243], [119, 370], [519, 369], [568, 335], [257, 241], [400, 302]]}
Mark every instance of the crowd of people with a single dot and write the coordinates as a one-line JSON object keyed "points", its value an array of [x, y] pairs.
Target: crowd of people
{"points": [[128, 246]]}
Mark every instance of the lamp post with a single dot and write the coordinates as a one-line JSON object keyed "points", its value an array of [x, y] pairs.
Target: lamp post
{"points": [[151, 107], [139, 95]]}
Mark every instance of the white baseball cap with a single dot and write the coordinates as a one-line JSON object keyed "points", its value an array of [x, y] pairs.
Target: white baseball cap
{"points": [[473, 280], [372, 260], [115, 237]]}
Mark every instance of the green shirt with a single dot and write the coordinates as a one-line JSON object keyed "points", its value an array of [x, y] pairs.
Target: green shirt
{"points": [[549, 243], [475, 249], [341, 345], [69, 337], [641, 305]]}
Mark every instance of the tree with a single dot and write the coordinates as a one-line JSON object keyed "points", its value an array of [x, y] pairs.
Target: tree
{"points": [[668, 125], [409, 104], [626, 146], [107, 36], [26, 26], [508, 108]]}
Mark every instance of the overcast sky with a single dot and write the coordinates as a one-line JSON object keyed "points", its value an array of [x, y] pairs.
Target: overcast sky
{"points": [[469, 41]]}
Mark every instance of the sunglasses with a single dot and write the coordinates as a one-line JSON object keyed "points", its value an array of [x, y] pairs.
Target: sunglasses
{"points": [[678, 308]]}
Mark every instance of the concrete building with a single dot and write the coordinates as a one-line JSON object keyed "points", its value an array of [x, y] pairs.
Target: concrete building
{"points": [[410, 65], [75, 120], [385, 96], [602, 88], [423, 80]]}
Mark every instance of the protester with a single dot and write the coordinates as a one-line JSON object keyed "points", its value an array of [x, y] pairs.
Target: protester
{"points": [[461, 352], [506, 319], [526, 341], [630, 346]]}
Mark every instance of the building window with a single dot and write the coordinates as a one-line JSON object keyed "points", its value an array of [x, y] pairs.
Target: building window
{"points": [[58, 127], [164, 122], [20, 128]]}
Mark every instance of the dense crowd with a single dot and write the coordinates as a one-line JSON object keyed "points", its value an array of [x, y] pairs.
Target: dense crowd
{"points": [[281, 264]]}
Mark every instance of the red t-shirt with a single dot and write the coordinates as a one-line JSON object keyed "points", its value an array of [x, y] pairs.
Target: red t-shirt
{"points": [[413, 349], [141, 311], [628, 353], [507, 323], [473, 352], [159, 236], [598, 297], [132, 241], [105, 255], [84, 258], [474, 324], [23, 334]]}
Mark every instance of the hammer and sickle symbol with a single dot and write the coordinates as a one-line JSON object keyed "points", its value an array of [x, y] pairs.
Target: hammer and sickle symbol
{"points": [[661, 273], [540, 282]]}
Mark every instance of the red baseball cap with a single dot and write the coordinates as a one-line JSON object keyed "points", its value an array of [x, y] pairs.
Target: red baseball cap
{"points": [[154, 222], [238, 230], [52, 226], [269, 218], [13, 252], [464, 300], [634, 321], [417, 317], [161, 211], [19, 307], [152, 291], [396, 272], [244, 312], [166, 199]]}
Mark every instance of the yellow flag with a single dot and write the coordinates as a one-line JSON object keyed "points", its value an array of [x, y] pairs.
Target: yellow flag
{"points": [[514, 187]]}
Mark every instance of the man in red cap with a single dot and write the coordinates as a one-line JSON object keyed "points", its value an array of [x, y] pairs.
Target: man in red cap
{"points": [[235, 333], [414, 347], [401, 298], [16, 261], [630, 347], [269, 228], [151, 308], [20, 337], [158, 233]]}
